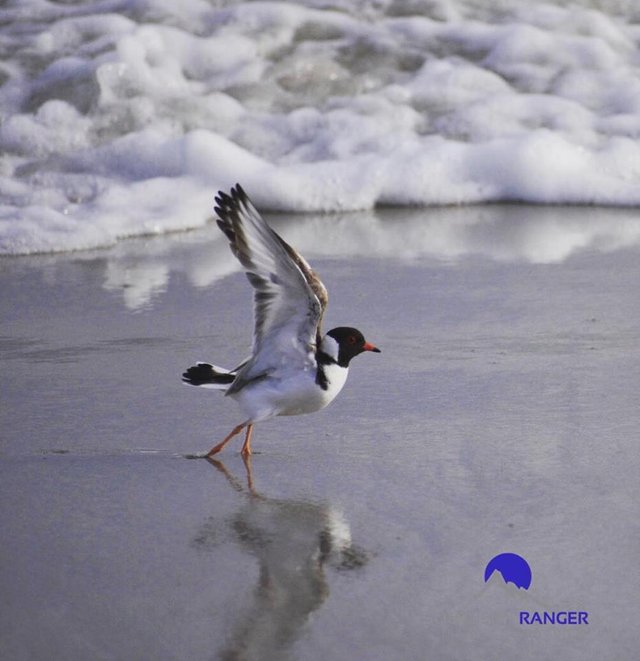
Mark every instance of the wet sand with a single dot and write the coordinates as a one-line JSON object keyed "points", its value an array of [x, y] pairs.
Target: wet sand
{"points": [[502, 416]]}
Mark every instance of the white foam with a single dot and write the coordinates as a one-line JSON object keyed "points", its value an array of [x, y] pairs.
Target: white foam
{"points": [[116, 126]]}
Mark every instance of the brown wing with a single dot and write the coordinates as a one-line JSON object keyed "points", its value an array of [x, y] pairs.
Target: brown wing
{"points": [[289, 298]]}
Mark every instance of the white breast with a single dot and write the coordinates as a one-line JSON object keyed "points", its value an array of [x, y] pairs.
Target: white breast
{"points": [[310, 397]]}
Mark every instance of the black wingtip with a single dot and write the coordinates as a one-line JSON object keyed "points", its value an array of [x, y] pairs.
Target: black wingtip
{"points": [[223, 200], [224, 226], [235, 194]]}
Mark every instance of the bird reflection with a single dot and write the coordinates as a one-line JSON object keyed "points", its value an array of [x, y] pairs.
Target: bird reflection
{"points": [[294, 541]]}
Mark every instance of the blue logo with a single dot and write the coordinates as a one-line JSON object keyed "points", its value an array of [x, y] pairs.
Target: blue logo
{"points": [[513, 567]]}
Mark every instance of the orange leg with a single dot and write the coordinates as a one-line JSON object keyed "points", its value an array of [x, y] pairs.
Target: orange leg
{"points": [[246, 448], [236, 430]]}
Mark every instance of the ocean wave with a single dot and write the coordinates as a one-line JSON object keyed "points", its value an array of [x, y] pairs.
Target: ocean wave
{"points": [[121, 119]]}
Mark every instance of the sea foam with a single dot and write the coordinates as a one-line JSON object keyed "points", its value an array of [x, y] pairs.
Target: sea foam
{"points": [[122, 119]]}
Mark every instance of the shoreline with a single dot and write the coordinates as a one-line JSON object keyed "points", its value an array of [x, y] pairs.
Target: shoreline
{"points": [[501, 416]]}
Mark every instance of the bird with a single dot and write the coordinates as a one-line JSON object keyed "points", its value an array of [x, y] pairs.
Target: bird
{"points": [[293, 368]]}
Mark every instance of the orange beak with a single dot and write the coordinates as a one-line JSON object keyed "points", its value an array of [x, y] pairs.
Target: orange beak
{"points": [[371, 347]]}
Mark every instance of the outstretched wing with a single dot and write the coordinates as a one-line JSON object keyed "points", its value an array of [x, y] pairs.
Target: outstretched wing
{"points": [[289, 298]]}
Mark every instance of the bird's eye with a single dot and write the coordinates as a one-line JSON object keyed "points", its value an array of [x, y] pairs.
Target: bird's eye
{"points": [[351, 339]]}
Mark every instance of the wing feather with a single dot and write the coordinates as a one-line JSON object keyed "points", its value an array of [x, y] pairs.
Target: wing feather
{"points": [[289, 298]]}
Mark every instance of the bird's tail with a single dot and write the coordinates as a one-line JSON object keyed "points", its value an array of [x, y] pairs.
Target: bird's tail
{"points": [[208, 376]]}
